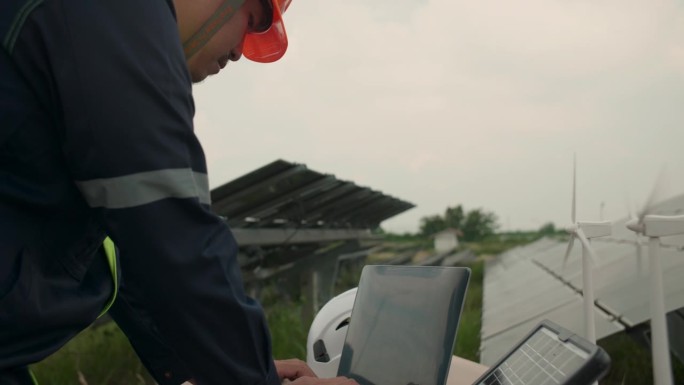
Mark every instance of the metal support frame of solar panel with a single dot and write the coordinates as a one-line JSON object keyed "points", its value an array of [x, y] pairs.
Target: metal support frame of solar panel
{"points": [[283, 215], [435, 259], [311, 275], [291, 236], [292, 264], [304, 260]]}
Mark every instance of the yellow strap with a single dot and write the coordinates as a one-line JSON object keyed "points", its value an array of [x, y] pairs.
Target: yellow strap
{"points": [[110, 251], [33, 378], [220, 17]]}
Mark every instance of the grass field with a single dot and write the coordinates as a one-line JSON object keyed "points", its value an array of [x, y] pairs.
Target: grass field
{"points": [[632, 362], [468, 337], [103, 355], [97, 356]]}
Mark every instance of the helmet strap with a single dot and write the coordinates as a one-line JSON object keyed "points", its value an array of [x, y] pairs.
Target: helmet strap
{"points": [[211, 26]]}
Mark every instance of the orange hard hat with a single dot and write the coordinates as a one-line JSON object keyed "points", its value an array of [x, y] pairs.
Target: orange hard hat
{"points": [[270, 45]]}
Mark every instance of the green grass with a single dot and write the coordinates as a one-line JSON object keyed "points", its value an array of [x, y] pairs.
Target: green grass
{"points": [[468, 337], [288, 333], [631, 362], [348, 277], [103, 356]]}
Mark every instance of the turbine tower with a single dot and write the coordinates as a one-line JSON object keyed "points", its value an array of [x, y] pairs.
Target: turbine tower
{"points": [[654, 227], [584, 231], [637, 238]]}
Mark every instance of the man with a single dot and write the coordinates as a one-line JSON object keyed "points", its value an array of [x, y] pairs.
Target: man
{"points": [[96, 140]]}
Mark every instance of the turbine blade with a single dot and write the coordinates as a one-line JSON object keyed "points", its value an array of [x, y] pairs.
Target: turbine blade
{"points": [[637, 244], [574, 187], [568, 250], [587, 245], [630, 208], [657, 190]]}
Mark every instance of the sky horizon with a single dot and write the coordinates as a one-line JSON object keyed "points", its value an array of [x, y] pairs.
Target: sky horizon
{"points": [[482, 104]]}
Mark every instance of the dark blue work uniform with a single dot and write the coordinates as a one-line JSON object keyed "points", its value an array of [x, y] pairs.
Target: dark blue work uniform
{"points": [[96, 139]]}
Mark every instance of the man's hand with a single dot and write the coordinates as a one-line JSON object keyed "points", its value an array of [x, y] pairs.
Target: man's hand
{"points": [[322, 381], [297, 372], [293, 369]]}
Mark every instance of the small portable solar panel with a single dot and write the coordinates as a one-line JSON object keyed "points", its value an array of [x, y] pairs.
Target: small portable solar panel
{"points": [[403, 325], [549, 355]]}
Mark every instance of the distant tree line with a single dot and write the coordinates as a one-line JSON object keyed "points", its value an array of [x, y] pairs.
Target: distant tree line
{"points": [[549, 229], [475, 224]]}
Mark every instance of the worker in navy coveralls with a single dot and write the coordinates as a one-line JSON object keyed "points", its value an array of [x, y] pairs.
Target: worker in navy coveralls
{"points": [[97, 149]]}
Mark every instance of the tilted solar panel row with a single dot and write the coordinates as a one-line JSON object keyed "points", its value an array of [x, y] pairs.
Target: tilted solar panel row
{"points": [[290, 195]]}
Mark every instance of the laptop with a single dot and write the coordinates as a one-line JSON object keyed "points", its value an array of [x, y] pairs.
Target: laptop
{"points": [[403, 325]]}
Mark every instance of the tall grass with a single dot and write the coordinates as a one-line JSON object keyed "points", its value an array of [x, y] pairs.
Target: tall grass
{"points": [[103, 355], [97, 356], [288, 334], [631, 362], [468, 337]]}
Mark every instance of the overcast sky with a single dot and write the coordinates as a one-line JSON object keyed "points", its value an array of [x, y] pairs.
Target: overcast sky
{"points": [[480, 103]]}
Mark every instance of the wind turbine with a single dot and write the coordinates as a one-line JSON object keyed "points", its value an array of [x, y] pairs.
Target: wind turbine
{"points": [[637, 238], [654, 227], [584, 231]]}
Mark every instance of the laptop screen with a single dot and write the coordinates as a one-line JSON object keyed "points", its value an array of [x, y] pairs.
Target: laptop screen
{"points": [[403, 325]]}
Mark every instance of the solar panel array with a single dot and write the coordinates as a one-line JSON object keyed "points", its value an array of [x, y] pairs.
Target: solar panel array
{"points": [[284, 194], [528, 284]]}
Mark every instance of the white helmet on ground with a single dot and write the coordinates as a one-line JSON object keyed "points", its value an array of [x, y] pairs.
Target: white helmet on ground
{"points": [[327, 333]]}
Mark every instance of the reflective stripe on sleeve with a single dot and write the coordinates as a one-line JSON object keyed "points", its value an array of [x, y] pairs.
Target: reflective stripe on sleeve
{"points": [[145, 187]]}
